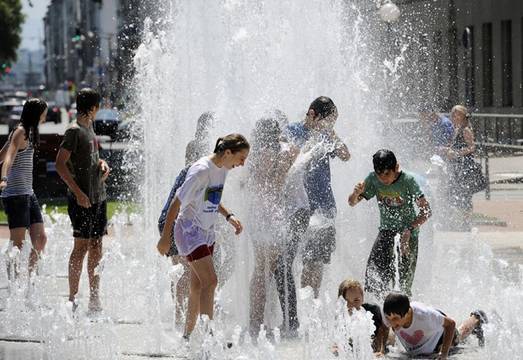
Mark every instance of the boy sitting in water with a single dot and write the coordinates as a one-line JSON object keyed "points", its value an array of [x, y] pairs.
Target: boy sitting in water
{"points": [[352, 291], [424, 330], [396, 192]]}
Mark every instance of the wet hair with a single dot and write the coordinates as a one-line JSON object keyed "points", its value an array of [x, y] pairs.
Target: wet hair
{"points": [[462, 109], [323, 106], [86, 99], [266, 134], [348, 284], [384, 160], [232, 142], [396, 303], [30, 118], [204, 123]]}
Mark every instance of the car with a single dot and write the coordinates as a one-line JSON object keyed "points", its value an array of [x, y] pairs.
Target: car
{"points": [[106, 122], [5, 109], [14, 117], [54, 113]]}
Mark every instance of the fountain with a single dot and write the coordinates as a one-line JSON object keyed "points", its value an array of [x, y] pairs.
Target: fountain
{"points": [[242, 59]]}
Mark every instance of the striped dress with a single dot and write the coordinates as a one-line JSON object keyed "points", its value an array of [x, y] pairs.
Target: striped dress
{"points": [[20, 176]]}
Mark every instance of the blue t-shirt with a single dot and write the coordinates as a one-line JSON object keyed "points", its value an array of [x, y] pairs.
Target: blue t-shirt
{"points": [[180, 179], [442, 131], [318, 177]]}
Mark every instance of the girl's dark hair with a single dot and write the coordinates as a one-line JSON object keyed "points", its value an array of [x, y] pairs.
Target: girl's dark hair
{"points": [[232, 142], [86, 99], [266, 134], [396, 303], [30, 119], [323, 106], [384, 160]]}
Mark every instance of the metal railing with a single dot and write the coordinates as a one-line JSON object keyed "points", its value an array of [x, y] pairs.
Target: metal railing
{"points": [[496, 133]]}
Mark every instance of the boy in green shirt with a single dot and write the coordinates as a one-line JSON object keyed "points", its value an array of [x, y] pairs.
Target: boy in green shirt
{"points": [[396, 192]]}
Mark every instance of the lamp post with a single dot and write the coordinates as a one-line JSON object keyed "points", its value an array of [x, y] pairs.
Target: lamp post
{"points": [[388, 13]]}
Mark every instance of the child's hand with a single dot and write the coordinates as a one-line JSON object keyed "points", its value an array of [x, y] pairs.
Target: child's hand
{"points": [[3, 185], [359, 188], [105, 169], [404, 242], [163, 246], [83, 200], [238, 227]]}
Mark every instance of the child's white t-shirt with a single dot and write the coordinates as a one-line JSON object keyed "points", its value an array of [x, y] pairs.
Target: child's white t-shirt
{"points": [[425, 331], [201, 193]]}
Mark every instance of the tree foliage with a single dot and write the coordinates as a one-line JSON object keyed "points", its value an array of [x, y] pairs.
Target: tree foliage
{"points": [[11, 20]]}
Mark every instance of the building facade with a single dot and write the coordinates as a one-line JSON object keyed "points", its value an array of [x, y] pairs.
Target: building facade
{"points": [[80, 40]]}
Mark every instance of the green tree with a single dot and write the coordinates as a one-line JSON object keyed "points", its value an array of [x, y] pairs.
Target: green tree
{"points": [[11, 20]]}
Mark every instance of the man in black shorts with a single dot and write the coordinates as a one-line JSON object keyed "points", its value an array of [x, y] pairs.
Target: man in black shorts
{"points": [[80, 167]]}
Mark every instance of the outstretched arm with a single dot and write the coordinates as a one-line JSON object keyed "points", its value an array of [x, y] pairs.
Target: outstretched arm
{"points": [[356, 196], [449, 327], [165, 240]]}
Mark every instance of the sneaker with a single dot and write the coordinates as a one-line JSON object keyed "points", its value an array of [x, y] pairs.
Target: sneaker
{"points": [[95, 306], [73, 305], [478, 330]]}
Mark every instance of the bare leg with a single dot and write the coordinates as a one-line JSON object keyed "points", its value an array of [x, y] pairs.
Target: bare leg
{"points": [[258, 293], [203, 270], [80, 248], [180, 292], [312, 276], [17, 237], [93, 260], [193, 308], [465, 329], [38, 239]]}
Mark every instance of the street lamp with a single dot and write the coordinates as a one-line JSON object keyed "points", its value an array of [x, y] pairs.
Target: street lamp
{"points": [[389, 12]]}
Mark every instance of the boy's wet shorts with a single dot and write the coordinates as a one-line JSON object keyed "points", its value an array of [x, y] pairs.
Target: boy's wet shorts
{"points": [[319, 245], [22, 211], [200, 252], [88, 223]]}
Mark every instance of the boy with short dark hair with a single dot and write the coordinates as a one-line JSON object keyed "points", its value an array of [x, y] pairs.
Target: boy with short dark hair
{"points": [[396, 192], [80, 167], [424, 330]]}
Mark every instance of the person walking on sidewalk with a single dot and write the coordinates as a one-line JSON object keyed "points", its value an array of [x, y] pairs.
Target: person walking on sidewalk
{"points": [[20, 202], [80, 167]]}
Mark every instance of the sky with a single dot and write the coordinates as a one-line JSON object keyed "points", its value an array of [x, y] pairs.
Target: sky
{"points": [[33, 28]]}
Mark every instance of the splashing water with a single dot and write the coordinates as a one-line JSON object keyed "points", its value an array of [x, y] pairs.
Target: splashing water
{"points": [[241, 59]]}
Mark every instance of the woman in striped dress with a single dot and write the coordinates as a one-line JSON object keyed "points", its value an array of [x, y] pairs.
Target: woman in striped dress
{"points": [[20, 203]]}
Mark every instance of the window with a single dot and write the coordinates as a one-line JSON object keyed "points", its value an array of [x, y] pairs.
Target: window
{"points": [[486, 44], [506, 63]]}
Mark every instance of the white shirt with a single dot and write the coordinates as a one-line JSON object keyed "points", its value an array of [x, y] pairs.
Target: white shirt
{"points": [[422, 336], [201, 193]]}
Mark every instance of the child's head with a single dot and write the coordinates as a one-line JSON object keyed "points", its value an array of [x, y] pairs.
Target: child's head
{"points": [[204, 124], [266, 134], [352, 291], [233, 149], [322, 113], [33, 114], [87, 102], [396, 308], [386, 166]]}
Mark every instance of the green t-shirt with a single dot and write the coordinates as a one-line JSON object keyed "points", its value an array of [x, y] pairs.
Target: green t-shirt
{"points": [[83, 163], [395, 201]]}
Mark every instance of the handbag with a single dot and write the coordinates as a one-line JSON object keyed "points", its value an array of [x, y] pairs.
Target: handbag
{"points": [[475, 179]]}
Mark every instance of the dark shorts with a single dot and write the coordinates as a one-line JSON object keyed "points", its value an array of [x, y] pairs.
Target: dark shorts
{"points": [[200, 252], [22, 211], [319, 245], [88, 223]]}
